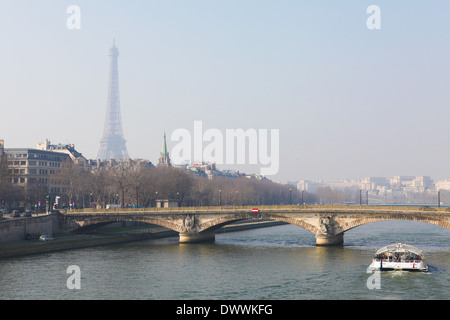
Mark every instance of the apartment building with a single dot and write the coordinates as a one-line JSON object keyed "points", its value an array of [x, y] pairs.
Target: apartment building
{"points": [[42, 167], [33, 167]]}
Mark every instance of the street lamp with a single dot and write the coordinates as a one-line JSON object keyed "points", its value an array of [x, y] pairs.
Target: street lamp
{"points": [[439, 198], [290, 196], [220, 197], [56, 205], [47, 198]]}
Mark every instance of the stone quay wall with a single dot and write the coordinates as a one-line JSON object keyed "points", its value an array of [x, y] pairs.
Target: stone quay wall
{"points": [[15, 229]]}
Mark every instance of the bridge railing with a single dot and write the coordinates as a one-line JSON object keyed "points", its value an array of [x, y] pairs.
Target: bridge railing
{"points": [[265, 207]]}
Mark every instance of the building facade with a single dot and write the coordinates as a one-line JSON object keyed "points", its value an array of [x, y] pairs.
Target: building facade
{"points": [[443, 185], [76, 157], [42, 169], [36, 168]]}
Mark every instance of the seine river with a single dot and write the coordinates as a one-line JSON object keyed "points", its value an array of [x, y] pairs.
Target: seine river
{"points": [[276, 263]]}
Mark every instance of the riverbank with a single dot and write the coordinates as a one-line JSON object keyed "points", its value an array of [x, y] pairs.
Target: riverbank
{"points": [[69, 242]]}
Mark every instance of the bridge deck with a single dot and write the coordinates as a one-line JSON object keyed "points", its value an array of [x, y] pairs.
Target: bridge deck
{"points": [[296, 208]]}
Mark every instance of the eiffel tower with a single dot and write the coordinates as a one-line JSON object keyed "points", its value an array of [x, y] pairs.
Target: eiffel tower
{"points": [[112, 145]]}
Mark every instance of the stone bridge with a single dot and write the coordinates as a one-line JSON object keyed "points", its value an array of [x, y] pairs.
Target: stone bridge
{"points": [[327, 223]]}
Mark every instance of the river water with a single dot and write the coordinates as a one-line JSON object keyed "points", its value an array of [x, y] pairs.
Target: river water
{"points": [[281, 263]]}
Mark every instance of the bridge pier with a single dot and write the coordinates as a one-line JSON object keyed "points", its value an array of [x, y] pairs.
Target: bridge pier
{"points": [[329, 240], [192, 237]]}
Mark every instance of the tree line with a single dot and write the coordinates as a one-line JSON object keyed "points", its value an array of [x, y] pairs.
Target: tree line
{"points": [[136, 184], [133, 184]]}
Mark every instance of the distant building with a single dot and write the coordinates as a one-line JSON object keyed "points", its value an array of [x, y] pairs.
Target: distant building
{"points": [[443, 185], [411, 183], [202, 169], [343, 184], [166, 203], [96, 164], [164, 159], [3, 162], [309, 186], [422, 183], [69, 149], [36, 168], [399, 182], [42, 167], [209, 170], [374, 183]]}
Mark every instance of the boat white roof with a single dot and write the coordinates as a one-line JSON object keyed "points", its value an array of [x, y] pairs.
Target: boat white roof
{"points": [[400, 247]]}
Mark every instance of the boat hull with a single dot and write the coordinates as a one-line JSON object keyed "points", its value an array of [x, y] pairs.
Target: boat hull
{"points": [[405, 266]]}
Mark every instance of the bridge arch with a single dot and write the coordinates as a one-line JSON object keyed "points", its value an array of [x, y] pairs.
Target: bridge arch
{"points": [[359, 222], [215, 224], [77, 226]]}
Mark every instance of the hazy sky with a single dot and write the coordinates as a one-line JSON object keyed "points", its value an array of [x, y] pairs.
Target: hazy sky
{"points": [[349, 102]]}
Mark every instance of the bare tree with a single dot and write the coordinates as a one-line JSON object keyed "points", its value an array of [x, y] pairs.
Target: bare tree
{"points": [[139, 174], [70, 177]]}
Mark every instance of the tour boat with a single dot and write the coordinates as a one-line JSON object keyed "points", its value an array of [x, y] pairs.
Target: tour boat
{"points": [[399, 256]]}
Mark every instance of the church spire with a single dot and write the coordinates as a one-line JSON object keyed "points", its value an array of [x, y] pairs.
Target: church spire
{"points": [[164, 146], [164, 159]]}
